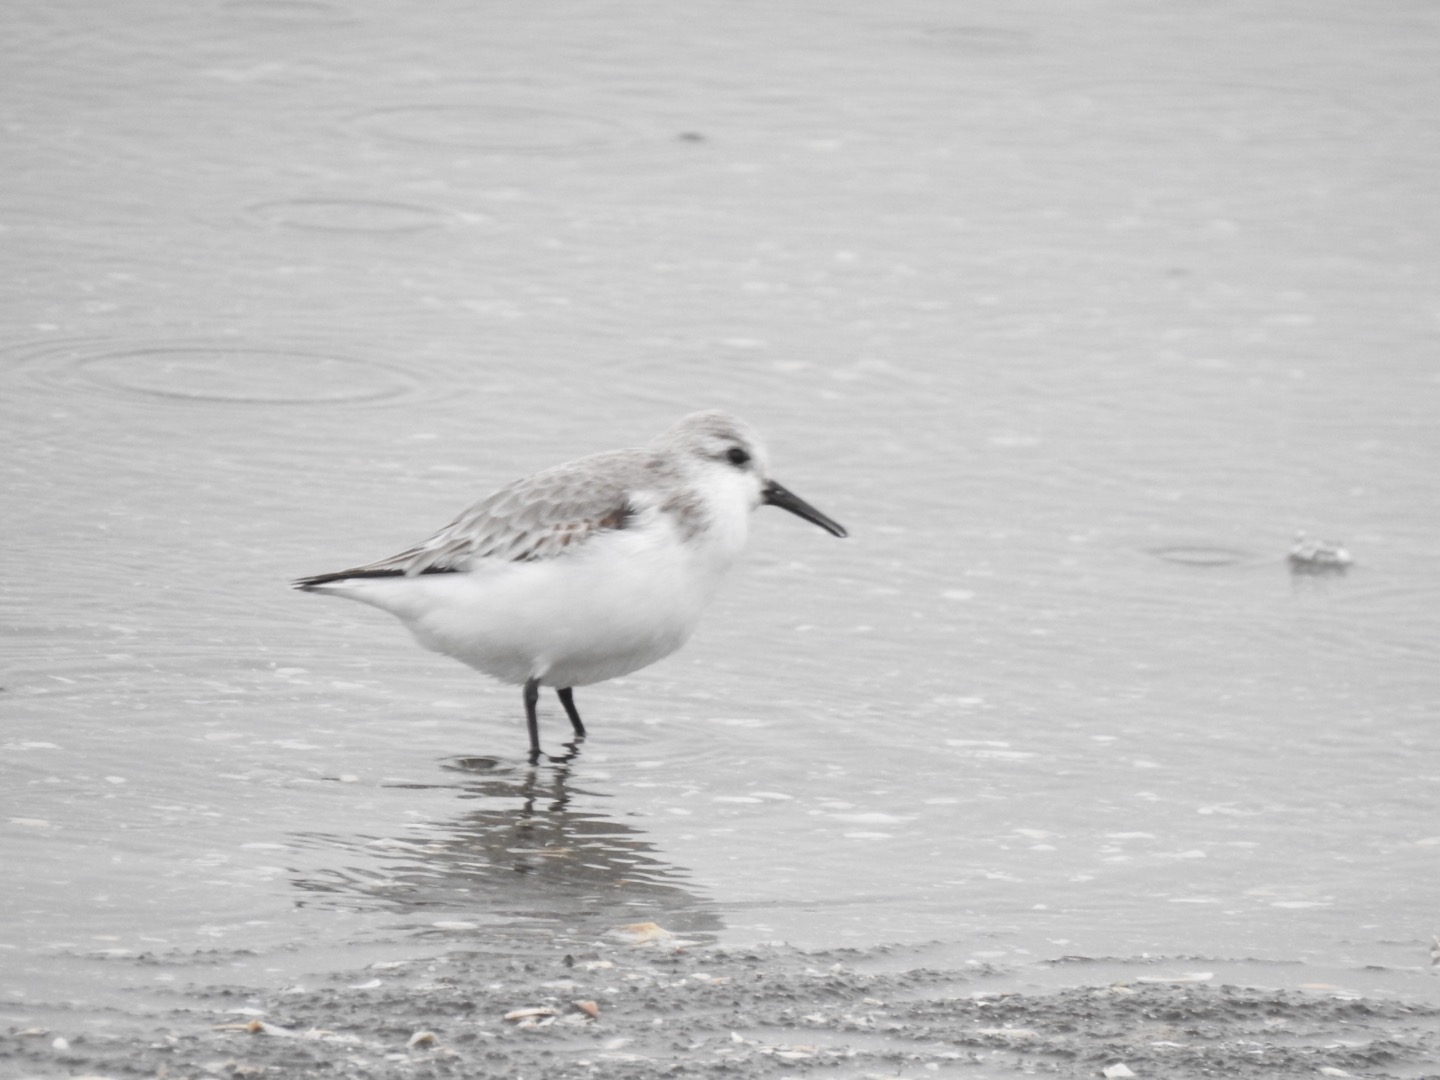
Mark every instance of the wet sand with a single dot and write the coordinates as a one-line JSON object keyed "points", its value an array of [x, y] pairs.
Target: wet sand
{"points": [[648, 1004]]}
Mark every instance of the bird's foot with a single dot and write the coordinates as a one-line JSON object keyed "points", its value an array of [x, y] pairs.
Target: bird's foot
{"points": [[572, 751]]}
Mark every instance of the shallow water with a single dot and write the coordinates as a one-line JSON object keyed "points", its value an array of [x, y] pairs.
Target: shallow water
{"points": [[1074, 316]]}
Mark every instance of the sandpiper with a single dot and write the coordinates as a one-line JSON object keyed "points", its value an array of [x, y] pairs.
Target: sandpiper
{"points": [[586, 571]]}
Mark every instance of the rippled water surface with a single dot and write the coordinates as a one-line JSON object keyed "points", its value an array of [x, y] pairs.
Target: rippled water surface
{"points": [[1073, 315]]}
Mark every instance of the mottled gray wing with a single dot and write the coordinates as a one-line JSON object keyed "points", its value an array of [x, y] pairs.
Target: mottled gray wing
{"points": [[539, 517]]}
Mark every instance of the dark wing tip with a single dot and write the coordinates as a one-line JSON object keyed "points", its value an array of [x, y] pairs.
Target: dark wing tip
{"points": [[309, 584]]}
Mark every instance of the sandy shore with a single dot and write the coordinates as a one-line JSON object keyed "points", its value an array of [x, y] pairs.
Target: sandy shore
{"points": [[642, 1003]]}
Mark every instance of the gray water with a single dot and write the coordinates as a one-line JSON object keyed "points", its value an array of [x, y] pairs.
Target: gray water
{"points": [[1073, 314]]}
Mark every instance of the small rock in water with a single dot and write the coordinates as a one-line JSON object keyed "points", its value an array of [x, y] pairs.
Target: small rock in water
{"points": [[1317, 556], [640, 933], [260, 1027], [537, 1016], [1118, 1071]]}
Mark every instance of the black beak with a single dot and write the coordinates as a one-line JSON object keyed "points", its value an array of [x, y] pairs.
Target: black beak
{"points": [[776, 495]]}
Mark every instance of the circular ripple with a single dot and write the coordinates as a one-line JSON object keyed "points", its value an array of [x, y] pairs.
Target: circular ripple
{"points": [[1219, 112], [1203, 555], [498, 128], [347, 215], [241, 375]]}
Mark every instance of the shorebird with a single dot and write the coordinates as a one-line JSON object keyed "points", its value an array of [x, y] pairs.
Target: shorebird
{"points": [[585, 571]]}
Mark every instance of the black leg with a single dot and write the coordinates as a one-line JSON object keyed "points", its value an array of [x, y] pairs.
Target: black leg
{"points": [[567, 698], [532, 695]]}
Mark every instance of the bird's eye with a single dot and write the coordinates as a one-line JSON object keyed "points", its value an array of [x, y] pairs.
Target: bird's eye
{"points": [[737, 457]]}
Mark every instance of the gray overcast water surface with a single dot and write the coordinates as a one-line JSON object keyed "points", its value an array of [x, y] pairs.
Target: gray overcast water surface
{"points": [[1074, 314]]}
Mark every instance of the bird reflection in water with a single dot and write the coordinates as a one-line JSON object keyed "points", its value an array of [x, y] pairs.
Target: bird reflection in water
{"points": [[530, 849]]}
